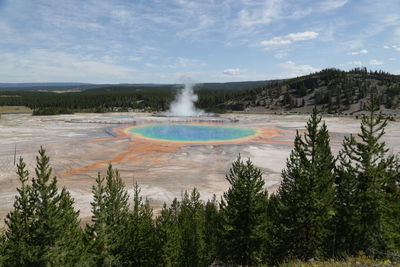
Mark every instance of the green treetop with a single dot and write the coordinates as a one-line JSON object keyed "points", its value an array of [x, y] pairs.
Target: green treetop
{"points": [[243, 215]]}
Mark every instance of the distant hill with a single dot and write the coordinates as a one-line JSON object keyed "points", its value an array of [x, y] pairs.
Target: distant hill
{"points": [[59, 87], [28, 85], [332, 90], [45, 86], [65, 86]]}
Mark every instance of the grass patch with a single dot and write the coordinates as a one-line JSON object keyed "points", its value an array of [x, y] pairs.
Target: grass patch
{"points": [[14, 109]]}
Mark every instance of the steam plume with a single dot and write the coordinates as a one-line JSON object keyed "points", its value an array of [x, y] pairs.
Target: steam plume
{"points": [[183, 105]]}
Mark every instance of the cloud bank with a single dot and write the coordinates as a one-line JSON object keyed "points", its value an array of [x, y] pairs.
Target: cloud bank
{"points": [[289, 39]]}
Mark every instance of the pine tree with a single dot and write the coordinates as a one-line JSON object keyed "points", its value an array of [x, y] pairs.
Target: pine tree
{"points": [[69, 249], [2, 247], [168, 237], [365, 175], [139, 238], [17, 249], [392, 214], [43, 222], [110, 210], [211, 233], [191, 225], [275, 247], [243, 215], [305, 198], [347, 210]]}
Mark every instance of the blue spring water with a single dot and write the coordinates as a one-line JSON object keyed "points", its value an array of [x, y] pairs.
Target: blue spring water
{"points": [[188, 132]]}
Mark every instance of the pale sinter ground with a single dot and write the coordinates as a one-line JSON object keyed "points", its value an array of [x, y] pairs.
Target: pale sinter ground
{"points": [[81, 145]]}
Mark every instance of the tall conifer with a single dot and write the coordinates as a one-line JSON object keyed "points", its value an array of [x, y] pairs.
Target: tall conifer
{"points": [[17, 249], [191, 226], [365, 199], [168, 237], [43, 226], [211, 234], [306, 196], [110, 216], [139, 238], [243, 215]]}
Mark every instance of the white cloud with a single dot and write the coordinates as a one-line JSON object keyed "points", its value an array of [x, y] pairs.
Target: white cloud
{"points": [[376, 62], [134, 58], [289, 38], [362, 51], [124, 17], [51, 66], [183, 62], [109, 59], [297, 70], [302, 36], [276, 41], [332, 4], [264, 13], [233, 72], [379, 18], [395, 47], [189, 62], [392, 59], [281, 54], [259, 13], [354, 63]]}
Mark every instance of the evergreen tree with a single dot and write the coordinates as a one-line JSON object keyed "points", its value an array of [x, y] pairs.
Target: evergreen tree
{"points": [[347, 210], [366, 188], [17, 249], [305, 198], [2, 247], [69, 249], [243, 215], [168, 237], [139, 238], [43, 222], [392, 214], [275, 246], [211, 234], [302, 90], [191, 225], [110, 210]]}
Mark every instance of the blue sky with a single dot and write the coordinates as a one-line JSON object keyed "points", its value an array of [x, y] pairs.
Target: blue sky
{"points": [[159, 41]]}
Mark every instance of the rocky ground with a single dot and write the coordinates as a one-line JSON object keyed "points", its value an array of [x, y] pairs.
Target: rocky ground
{"points": [[81, 145]]}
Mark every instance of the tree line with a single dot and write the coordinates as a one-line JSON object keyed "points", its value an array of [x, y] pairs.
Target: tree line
{"points": [[109, 98], [327, 207], [331, 90]]}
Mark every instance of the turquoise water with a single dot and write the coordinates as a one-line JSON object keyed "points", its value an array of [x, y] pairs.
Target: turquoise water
{"points": [[184, 132]]}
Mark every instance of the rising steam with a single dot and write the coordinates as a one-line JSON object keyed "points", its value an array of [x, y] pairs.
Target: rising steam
{"points": [[183, 105]]}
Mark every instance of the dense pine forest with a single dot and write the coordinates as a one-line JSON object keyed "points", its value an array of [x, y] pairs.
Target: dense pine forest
{"points": [[327, 208], [332, 91]]}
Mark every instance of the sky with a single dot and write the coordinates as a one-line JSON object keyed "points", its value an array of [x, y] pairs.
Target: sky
{"points": [[160, 41]]}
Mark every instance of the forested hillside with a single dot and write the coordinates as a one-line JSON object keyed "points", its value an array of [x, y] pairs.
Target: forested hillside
{"points": [[332, 90]]}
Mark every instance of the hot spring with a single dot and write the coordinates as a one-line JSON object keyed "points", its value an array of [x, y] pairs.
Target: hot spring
{"points": [[192, 133]]}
